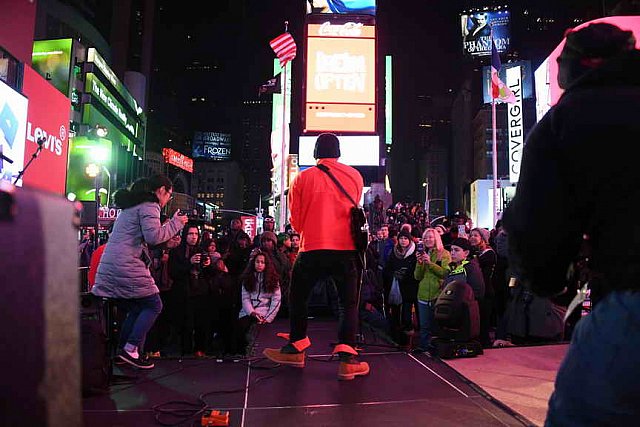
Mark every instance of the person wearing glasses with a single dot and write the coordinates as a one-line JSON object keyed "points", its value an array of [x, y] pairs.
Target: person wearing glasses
{"points": [[123, 273]]}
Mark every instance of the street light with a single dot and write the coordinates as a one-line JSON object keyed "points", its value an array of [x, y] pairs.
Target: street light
{"points": [[93, 171]]}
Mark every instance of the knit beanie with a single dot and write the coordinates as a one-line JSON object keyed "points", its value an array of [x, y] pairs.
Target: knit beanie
{"points": [[462, 243], [405, 233], [269, 235], [589, 48], [484, 233], [327, 147]]}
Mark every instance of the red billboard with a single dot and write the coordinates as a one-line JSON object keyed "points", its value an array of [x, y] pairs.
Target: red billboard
{"points": [[249, 225], [17, 25], [177, 159], [48, 122]]}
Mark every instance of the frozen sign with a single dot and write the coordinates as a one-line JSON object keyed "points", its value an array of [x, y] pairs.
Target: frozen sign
{"points": [[211, 146]]}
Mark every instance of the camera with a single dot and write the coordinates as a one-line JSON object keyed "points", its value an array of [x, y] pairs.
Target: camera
{"points": [[203, 257], [420, 247]]}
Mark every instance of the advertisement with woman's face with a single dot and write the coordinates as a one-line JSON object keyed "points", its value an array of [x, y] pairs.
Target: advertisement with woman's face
{"points": [[358, 7]]}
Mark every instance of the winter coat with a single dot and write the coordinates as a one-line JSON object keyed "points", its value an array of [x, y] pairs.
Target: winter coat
{"points": [[123, 271], [264, 303], [402, 268], [431, 275], [468, 271]]}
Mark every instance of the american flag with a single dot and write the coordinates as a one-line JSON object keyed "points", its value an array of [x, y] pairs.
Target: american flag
{"points": [[499, 90], [285, 48]]}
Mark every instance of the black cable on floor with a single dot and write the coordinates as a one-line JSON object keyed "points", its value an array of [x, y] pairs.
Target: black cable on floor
{"points": [[178, 412]]}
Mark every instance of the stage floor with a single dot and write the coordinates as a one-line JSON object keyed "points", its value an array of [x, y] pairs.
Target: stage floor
{"points": [[402, 389]]}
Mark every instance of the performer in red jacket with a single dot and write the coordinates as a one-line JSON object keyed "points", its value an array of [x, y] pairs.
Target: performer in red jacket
{"points": [[320, 212]]}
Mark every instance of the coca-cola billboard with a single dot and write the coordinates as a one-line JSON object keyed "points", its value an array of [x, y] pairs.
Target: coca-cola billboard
{"points": [[47, 122]]}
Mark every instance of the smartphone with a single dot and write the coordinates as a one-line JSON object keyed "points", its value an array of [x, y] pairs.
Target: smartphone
{"points": [[462, 231], [420, 247]]}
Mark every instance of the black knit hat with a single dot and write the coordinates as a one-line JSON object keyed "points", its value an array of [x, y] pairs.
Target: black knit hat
{"points": [[589, 48], [405, 233], [327, 147], [462, 243]]}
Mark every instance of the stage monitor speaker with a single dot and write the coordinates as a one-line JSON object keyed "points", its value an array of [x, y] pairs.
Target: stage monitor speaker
{"points": [[39, 319]]}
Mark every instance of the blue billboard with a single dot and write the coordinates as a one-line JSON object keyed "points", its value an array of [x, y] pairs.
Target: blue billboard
{"points": [[477, 28], [350, 7], [211, 146]]}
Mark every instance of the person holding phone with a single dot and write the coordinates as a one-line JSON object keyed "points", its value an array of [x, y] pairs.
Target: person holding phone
{"points": [[431, 267], [123, 273]]}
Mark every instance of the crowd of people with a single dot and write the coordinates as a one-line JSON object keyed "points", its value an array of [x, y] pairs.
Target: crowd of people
{"points": [[410, 261]]}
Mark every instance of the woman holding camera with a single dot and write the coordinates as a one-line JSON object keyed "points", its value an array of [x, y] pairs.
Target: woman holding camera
{"points": [[187, 264], [123, 273], [433, 260]]}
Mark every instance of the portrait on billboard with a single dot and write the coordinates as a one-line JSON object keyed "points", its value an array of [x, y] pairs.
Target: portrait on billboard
{"points": [[477, 29], [364, 7]]}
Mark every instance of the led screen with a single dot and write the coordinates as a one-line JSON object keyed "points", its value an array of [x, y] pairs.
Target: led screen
{"points": [[211, 146], [476, 28], [52, 60], [341, 79], [367, 7], [354, 150], [13, 124]]}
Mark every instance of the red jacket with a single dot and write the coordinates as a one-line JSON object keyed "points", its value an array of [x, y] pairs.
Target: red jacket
{"points": [[320, 211]]}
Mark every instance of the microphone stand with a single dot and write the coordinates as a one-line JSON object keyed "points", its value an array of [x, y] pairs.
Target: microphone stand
{"points": [[33, 157]]}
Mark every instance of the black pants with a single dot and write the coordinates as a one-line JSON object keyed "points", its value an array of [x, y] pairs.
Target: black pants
{"points": [[343, 268]]}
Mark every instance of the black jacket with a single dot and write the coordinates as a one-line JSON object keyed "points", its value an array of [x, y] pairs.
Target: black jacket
{"points": [[579, 176]]}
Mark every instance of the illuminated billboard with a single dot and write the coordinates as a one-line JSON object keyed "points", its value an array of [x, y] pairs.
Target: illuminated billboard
{"points": [[13, 124], [47, 120], [361, 150], [177, 159], [350, 7], [340, 84], [104, 97], [476, 28], [52, 60], [211, 146]]}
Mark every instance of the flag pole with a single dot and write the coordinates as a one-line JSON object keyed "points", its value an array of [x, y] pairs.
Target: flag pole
{"points": [[494, 149], [283, 164]]}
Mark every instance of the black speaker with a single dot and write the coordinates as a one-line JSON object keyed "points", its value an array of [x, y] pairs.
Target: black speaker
{"points": [[94, 343], [456, 313], [39, 315]]}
